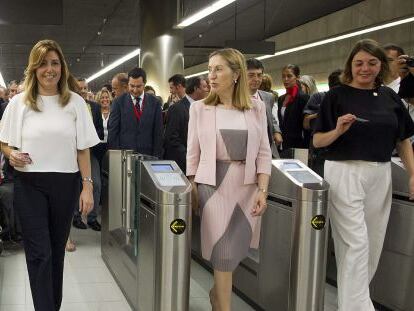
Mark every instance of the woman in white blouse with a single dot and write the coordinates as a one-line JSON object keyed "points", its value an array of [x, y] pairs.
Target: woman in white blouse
{"points": [[104, 99], [46, 132]]}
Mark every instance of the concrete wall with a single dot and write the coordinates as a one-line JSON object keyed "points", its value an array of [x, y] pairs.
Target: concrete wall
{"points": [[320, 61]]}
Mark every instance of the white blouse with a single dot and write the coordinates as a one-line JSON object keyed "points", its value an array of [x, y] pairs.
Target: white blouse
{"points": [[105, 127], [51, 136]]}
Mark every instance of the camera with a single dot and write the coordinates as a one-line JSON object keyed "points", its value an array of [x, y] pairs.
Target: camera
{"points": [[410, 61]]}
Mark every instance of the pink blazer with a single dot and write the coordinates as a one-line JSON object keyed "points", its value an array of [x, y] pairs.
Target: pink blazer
{"points": [[201, 143]]}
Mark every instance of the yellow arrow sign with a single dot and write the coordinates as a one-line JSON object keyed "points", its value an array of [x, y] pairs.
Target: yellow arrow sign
{"points": [[178, 226], [318, 222]]}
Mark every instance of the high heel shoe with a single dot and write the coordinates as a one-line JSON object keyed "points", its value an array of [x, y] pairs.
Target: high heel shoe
{"points": [[70, 245]]}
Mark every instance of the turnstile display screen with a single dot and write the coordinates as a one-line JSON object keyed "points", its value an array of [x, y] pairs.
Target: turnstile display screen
{"points": [[304, 177], [162, 167], [169, 179], [290, 165]]}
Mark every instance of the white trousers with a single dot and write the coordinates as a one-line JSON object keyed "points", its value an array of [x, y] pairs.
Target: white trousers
{"points": [[360, 204]]}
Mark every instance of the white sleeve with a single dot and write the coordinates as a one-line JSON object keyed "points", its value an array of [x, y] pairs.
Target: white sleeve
{"points": [[12, 123], [86, 135]]}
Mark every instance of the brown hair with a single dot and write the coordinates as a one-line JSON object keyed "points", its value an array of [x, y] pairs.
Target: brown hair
{"points": [[372, 47], [267, 83], [36, 57], [241, 96]]}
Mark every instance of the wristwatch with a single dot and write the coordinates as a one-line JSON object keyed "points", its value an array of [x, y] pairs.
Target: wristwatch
{"points": [[88, 179]]}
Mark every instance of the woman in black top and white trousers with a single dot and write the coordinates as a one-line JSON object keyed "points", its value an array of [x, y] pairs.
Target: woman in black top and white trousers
{"points": [[46, 132], [360, 123]]}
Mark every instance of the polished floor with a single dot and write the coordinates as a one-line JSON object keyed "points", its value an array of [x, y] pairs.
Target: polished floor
{"points": [[88, 285]]}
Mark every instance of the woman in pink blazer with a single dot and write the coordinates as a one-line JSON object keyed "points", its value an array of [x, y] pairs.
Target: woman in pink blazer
{"points": [[229, 163]]}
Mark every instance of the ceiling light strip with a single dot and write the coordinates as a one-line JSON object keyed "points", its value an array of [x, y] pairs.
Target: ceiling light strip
{"points": [[114, 64], [2, 83], [338, 38], [333, 39], [197, 74], [218, 5]]}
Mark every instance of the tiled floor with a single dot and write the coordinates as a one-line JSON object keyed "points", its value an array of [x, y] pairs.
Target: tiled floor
{"points": [[88, 285]]}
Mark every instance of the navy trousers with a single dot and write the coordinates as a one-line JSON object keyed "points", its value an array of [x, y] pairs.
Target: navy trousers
{"points": [[44, 203]]}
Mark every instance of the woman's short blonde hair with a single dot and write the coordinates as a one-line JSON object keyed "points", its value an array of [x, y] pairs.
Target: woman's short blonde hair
{"points": [[36, 57], [98, 96], [241, 95]]}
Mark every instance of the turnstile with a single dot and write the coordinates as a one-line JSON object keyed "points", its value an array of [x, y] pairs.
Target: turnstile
{"points": [[393, 283], [287, 272], [146, 230]]}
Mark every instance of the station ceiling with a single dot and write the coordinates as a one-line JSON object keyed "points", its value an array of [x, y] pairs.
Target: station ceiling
{"points": [[94, 33]]}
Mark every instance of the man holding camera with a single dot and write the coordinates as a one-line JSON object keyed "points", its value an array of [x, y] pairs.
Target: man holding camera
{"points": [[402, 71]]}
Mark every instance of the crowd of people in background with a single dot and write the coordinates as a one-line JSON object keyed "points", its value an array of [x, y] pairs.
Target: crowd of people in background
{"points": [[128, 114]]}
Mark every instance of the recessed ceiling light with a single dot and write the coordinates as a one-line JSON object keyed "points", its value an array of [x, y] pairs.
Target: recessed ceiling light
{"points": [[204, 12], [114, 64]]}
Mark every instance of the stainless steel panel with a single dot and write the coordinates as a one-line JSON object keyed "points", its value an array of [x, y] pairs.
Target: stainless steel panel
{"points": [[146, 259], [308, 262], [164, 195], [393, 283], [149, 262], [115, 186], [122, 267], [400, 230], [275, 249], [116, 251], [246, 280], [281, 185], [173, 255], [399, 177]]}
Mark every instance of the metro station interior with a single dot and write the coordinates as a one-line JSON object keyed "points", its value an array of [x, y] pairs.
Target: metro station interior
{"points": [[145, 249]]}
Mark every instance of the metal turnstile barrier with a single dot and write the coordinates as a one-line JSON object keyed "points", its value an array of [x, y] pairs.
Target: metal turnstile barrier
{"points": [[393, 283], [287, 272], [146, 230]]}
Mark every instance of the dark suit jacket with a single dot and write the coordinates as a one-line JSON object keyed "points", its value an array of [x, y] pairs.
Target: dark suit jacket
{"points": [[291, 124], [175, 137], [97, 122], [407, 86], [126, 132], [3, 105]]}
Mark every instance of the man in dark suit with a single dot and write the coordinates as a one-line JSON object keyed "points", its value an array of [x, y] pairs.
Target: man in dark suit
{"points": [[175, 138], [135, 121], [255, 71], [95, 111]]}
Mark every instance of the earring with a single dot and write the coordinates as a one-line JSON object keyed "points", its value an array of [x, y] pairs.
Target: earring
{"points": [[235, 81]]}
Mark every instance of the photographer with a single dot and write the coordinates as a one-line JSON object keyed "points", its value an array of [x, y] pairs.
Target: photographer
{"points": [[402, 71]]}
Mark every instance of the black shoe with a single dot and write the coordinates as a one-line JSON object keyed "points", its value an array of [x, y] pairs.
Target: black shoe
{"points": [[95, 225], [78, 223]]}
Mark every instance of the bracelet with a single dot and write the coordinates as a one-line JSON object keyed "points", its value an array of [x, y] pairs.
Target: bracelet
{"points": [[88, 179], [262, 190]]}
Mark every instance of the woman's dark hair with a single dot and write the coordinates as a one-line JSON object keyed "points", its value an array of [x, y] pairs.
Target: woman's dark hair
{"points": [[295, 69], [371, 47]]}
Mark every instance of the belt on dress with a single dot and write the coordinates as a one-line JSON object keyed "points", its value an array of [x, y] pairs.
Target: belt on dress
{"points": [[232, 161]]}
